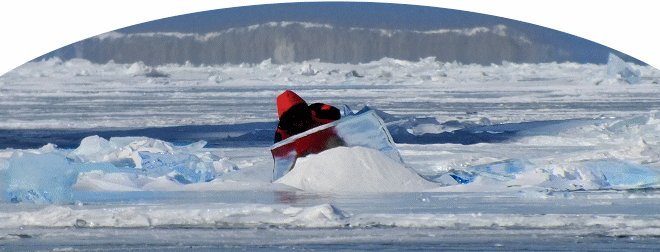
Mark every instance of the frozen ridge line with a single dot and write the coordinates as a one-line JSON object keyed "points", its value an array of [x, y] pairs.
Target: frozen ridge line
{"points": [[319, 216], [286, 42], [47, 87], [496, 29]]}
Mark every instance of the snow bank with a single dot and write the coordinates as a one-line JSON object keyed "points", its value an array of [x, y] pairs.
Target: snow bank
{"points": [[353, 170], [237, 216], [210, 215]]}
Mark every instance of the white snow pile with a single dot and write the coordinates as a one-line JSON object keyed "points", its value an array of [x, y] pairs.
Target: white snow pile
{"points": [[353, 170]]}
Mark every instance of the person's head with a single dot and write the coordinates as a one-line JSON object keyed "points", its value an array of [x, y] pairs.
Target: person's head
{"points": [[295, 116], [286, 101]]}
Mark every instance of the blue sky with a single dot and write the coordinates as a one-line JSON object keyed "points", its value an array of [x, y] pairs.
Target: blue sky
{"points": [[371, 15]]}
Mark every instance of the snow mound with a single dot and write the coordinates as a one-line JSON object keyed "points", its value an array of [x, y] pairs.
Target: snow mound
{"points": [[353, 170], [139, 68]]}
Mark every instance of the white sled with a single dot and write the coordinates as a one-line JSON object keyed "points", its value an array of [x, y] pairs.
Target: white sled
{"points": [[364, 129]]}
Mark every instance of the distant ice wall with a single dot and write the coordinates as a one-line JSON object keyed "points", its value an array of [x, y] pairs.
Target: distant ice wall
{"points": [[285, 42]]}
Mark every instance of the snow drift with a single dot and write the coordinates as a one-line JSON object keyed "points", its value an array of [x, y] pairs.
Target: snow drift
{"points": [[353, 170]]}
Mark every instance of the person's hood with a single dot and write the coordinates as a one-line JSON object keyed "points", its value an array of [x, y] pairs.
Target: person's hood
{"points": [[287, 100]]}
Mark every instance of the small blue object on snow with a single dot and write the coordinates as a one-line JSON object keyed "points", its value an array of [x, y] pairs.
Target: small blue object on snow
{"points": [[460, 180], [617, 68]]}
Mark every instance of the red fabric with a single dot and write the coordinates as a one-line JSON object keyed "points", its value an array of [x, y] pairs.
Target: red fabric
{"points": [[287, 100], [309, 144], [282, 133]]}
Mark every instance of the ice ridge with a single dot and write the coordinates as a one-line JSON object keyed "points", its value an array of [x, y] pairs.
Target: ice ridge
{"points": [[286, 42]]}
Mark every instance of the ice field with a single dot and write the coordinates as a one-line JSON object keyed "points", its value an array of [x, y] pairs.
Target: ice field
{"points": [[548, 156]]}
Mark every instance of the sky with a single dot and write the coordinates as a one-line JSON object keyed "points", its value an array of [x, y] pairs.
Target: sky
{"points": [[37, 30]]}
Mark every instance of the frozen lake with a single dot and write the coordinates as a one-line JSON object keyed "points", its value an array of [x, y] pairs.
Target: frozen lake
{"points": [[564, 221], [552, 157]]}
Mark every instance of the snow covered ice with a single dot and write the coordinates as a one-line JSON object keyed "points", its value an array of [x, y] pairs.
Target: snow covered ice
{"points": [[353, 170], [560, 151]]}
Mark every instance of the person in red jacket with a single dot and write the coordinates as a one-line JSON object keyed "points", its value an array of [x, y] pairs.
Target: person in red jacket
{"points": [[296, 116]]}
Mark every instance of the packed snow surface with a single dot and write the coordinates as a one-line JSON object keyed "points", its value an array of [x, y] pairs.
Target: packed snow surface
{"points": [[552, 150], [353, 170]]}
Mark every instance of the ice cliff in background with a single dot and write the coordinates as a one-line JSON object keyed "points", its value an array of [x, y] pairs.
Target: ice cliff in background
{"points": [[286, 42]]}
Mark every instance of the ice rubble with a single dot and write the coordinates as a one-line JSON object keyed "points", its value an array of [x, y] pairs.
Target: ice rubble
{"points": [[155, 158], [624, 156], [426, 83], [621, 154], [118, 164], [628, 159], [633, 166]]}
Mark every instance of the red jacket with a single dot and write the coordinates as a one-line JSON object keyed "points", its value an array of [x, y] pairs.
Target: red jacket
{"points": [[296, 116]]}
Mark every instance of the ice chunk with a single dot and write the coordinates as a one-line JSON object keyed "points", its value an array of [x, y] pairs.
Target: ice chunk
{"points": [[151, 157], [625, 124], [38, 178], [348, 111], [353, 73], [93, 149], [139, 68], [505, 170], [602, 174], [224, 166], [151, 72], [136, 68], [447, 179], [185, 168], [618, 174], [617, 68], [102, 181], [307, 70]]}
